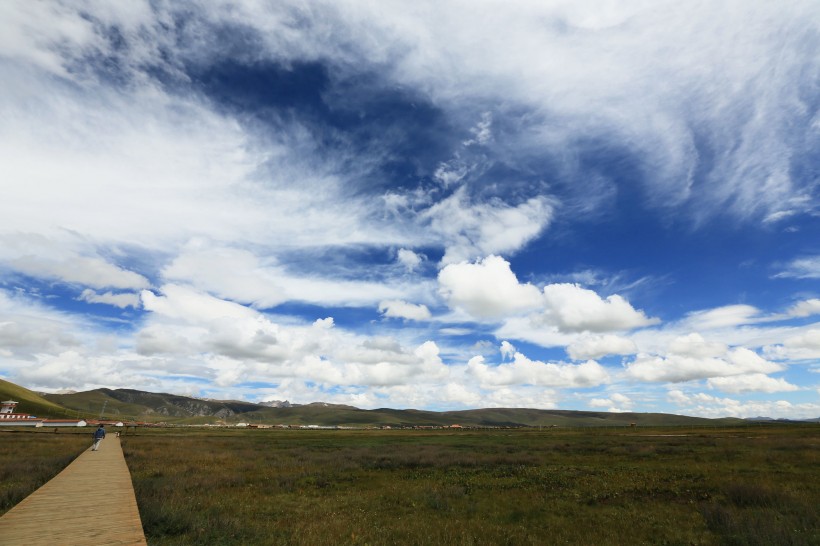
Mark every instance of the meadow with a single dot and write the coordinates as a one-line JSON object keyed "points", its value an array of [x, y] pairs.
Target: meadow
{"points": [[750, 485], [28, 460]]}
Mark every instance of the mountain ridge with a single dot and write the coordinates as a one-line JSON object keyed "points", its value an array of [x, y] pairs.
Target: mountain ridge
{"points": [[135, 405]]}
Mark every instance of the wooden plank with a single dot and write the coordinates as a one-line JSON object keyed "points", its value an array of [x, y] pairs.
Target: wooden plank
{"points": [[90, 502]]}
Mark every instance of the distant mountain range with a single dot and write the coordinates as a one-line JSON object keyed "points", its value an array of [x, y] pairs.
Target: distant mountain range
{"points": [[134, 405]]}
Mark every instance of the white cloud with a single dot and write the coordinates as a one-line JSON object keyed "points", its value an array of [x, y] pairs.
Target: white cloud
{"points": [[507, 350], [734, 84], [807, 340], [805, 308], [482, 132], [532, 330], [521, 397], [86, 271], [451, 172], [754, 382], [52, 24], [530, 372], [575, 309], [118, 300], [228, 273], [471, 230], [678, 397], [67, 258], [404, 310], [804, 345], [184, 303], [236, 342], [802, 268], [27, 328], [72, 367], [597, 346], [325, 323], [694, 345], [677, 368], [244, 277], [487, 289], [409, 259], [706, 405], [720, 317], [616, 403]]}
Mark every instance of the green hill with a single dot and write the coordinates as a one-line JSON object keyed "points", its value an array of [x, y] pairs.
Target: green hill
{"points": [[30, 402], [146, 406], [130, 404]]}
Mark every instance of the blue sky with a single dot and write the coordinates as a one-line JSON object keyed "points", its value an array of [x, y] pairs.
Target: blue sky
{"points": [[579, 205]]}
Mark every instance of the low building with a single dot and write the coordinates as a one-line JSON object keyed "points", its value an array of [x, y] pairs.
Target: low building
{"points": [[9, 417], [63, 423]]}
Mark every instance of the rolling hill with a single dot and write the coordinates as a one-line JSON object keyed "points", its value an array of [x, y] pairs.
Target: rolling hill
{"points": [[30, 401], [130, 404]]}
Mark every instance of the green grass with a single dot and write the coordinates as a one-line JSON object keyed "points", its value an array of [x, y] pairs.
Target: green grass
{"points": [[30, 402], [751, 485], [30, 458]]}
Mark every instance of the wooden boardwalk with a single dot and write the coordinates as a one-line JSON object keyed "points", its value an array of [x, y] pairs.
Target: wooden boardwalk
{"points": [[91, 502]]}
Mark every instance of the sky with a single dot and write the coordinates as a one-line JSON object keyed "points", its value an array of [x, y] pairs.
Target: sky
{"points": [[582, 205]]}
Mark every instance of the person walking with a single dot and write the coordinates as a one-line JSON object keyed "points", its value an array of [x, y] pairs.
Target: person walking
{"points": [[99, 434]]}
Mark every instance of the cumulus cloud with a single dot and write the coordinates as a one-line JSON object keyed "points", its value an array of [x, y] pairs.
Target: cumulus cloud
{"points": [[521, 397], [597, 346], [805, 308], [404, 310], [575, 309], [72, 367], [694, 345], [324, 323], [754, 382], [804, 345], [472, 230], [409, 259], [616, 403], [237, 342], [487, 289], [808, 340], [678, 368], [522, 370], [507, 350], [706, 405]]}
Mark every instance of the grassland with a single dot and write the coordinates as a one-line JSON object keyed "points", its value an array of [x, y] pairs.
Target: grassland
{"points": [[29, 458], [31, 402], [750, 485]]}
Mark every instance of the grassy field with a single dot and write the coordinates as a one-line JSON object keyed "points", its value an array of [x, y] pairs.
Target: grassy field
{"points": [[29, 458], [751, 485]]}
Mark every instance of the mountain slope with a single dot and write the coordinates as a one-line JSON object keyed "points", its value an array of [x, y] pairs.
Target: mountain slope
{"points": [[130, 404], [30, 401]]}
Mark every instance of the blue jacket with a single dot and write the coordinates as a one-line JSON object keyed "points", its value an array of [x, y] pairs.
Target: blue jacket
{"points": [[99, 434]]}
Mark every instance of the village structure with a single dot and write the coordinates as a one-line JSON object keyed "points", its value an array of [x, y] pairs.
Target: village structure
{"points": [[8, 417]]}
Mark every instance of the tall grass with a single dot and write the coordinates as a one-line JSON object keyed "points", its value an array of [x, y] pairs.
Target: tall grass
{"points": [[29, 458], [511, 487]]}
